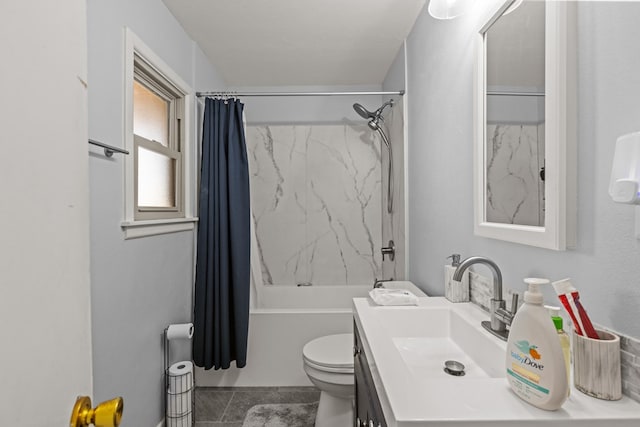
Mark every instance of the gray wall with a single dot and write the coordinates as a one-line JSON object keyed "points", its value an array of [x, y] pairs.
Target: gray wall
{"points": [[604, 265], [395, 78], [138, 286]]}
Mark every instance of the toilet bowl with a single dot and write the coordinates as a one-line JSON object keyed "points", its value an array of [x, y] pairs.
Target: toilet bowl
{"points": [[328, 362]]}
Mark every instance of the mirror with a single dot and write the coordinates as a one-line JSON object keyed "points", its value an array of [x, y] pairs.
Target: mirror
{"points": [[525, 126], [514, 122]]}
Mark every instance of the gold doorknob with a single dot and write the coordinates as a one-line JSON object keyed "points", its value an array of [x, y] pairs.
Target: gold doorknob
{"points": [[106, 414]]}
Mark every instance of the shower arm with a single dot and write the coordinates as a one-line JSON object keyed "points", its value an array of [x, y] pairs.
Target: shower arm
{"points": [[379, 111]]}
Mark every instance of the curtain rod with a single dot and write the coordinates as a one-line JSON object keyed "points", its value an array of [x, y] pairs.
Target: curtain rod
{"points": [[232, 93], [506, 93]]}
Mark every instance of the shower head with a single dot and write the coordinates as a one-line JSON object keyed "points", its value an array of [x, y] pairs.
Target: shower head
{"points": [[363, 112], [368, 115]]}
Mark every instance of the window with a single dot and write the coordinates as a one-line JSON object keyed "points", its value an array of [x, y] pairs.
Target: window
{"points": [[159, 172], [157, 129]]}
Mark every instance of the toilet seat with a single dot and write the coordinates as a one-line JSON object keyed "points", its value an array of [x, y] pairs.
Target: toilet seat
{"points": [[332, 353]]}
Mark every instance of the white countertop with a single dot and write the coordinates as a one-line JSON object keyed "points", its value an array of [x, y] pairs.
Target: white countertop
{"points": [[414, 400]]}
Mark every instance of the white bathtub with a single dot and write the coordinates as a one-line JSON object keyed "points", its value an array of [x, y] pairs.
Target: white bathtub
{"points": [[285, 319]]}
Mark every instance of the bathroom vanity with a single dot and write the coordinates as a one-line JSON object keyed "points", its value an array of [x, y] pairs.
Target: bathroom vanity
{"points": [[399, 356], [368, 410]]}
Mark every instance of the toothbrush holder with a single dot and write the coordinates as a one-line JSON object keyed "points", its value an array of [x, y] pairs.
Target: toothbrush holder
{"points": [[596, 365]]}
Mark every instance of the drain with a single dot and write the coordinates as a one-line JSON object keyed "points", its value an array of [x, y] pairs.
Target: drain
{"points": [[453, 367]]}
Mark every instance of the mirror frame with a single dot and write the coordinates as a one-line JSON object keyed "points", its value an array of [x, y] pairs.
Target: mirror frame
{"points": [[558, 232]]}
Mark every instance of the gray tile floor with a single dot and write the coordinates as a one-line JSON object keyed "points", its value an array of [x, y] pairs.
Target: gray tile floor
{"points": [[227, 406]]}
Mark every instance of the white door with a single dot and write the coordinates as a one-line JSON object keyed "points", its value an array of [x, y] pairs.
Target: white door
{"points": [[45, 338]]}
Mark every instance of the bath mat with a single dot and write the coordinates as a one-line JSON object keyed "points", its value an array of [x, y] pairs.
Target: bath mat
{"points": [[281, 415]]}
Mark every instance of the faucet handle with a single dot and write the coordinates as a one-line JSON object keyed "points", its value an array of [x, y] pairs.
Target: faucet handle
{"points": [[389, 250], [514, 304], [505, 316]]}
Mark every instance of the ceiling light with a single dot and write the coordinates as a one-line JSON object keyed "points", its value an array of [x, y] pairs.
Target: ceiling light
{"points": [[513, 6], [448, 9]]}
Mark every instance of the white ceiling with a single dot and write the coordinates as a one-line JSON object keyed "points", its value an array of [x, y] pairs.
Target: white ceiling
{"points": [[298, 42]]}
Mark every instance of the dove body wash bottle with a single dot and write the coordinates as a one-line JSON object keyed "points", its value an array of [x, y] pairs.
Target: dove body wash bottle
{"points": [[535, 365]]}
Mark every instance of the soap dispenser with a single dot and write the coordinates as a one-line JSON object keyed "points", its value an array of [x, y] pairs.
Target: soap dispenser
{"points": [[455, 291], [535, 365]]}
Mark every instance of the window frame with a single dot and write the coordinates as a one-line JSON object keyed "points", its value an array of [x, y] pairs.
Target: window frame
{"points": [[147, 77], [142, 64]]}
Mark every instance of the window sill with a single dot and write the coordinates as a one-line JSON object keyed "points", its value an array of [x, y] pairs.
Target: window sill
{"points": [[136, 229]]}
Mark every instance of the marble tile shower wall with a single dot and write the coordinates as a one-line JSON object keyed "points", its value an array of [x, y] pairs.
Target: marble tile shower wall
{"points": [[316, 200], [515, 192], [480, 292]]}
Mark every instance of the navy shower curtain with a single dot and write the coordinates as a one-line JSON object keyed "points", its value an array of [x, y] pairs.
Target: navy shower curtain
{"points": [[221, 306]]}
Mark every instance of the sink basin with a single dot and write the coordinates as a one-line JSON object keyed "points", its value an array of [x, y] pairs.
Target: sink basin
{"points": [[427, 337], [427, 357]]}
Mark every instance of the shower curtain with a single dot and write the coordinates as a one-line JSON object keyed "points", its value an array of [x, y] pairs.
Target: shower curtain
{"points": [[221, 303]]}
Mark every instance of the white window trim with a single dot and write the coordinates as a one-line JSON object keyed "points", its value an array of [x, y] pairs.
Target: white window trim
{"points": [[132, 228], [153, 227]]}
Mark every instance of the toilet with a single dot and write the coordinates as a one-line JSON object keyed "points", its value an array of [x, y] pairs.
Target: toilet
{"points": [[328, 362]]}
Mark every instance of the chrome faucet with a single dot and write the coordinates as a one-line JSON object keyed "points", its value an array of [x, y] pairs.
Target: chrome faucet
{"points": [[378, 283], [500, 317]]}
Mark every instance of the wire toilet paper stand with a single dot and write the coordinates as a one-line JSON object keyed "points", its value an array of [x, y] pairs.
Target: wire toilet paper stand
{"points": [[178, 388]]}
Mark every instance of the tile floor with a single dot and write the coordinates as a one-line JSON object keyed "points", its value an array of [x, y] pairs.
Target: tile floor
{"points": [[227, 406]]}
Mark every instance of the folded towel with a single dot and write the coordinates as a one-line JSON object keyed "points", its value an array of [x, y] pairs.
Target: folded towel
{"points": [[393, 297], [404, 284]]}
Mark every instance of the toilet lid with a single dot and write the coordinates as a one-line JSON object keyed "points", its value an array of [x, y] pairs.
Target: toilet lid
{"points": [[332, 351]]}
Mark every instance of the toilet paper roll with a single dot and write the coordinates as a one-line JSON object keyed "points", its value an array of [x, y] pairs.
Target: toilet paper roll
{"points": [[180, 377], [178, 405], [180, 331], [180, 368], [183, 421]]}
